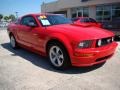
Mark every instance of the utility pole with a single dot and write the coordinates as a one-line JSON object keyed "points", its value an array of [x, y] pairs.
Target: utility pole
{"points": [[16, 14]]}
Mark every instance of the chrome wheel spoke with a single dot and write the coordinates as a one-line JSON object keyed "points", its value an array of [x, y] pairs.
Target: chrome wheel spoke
{"points": [[57, 50], [54, 59], [61, 56], [59, 61], [53, 54]]}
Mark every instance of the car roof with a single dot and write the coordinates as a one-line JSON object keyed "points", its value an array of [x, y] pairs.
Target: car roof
{"points": [[38, 14]]}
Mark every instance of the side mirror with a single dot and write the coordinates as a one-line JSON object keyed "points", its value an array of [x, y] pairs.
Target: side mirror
{"points": [[32, 24]]}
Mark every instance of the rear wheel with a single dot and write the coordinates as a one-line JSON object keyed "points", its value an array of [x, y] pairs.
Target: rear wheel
{"points": [[58, 56], [13, 42]]}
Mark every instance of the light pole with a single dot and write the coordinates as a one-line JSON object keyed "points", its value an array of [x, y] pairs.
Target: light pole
{"points": [[16, 14]]}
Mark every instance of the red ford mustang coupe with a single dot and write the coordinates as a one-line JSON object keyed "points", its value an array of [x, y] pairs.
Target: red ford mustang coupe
{"points": [[86, 21], [62, 41]]}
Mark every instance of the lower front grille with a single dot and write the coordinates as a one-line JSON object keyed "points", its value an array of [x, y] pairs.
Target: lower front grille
{"points": [[103, 58]]}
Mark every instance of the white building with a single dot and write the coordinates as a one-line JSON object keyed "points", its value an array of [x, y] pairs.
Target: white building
{"points": [[101, 10]]}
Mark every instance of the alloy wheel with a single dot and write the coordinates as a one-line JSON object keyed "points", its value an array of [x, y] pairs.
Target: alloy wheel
{"points": [[56, 56]]}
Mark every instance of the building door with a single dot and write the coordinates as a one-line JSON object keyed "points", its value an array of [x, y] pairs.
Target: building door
{"points": [[80, 13]]}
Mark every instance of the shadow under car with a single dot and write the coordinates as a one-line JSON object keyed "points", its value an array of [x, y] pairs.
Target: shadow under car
{"points": [[43, 62]]}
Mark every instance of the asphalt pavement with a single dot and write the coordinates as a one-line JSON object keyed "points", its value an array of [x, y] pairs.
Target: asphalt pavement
{"points": [[24, 70]]}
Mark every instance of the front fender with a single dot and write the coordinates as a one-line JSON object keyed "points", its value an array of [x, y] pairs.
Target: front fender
{"points": [[64, 40]]}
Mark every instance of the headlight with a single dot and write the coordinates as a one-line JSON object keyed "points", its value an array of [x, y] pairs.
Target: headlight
{"points": [[85, 44], [99, 42]]}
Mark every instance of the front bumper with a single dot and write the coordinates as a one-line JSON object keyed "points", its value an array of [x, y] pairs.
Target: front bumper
{"points": [[92, 56]]}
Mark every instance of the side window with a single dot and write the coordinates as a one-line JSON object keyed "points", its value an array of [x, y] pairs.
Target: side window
{"points": [[86, 20], [82, 20], [92, 20], [75, 19], [25, 20]]}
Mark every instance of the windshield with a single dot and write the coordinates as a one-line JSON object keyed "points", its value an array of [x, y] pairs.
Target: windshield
{"points": [[49, 20]]}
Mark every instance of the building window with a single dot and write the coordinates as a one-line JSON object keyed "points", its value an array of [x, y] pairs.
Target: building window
{"points": [[85, 12], [74, 15], [80, 12], [115, 11], [107, 12], [74, 12]]}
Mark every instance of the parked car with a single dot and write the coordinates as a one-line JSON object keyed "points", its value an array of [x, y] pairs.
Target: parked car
{"points": [[62, 41], [86, 21], [113, 25], [3, 24]]}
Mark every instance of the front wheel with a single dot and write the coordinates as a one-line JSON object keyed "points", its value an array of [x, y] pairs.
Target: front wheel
{"points": [[58, 56]]}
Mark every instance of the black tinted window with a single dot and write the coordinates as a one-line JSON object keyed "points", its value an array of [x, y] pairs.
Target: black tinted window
{"points": [[75, 19], [84, 20], [92, 20], [27, 19]]}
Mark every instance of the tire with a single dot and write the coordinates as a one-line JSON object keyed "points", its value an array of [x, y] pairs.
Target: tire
{"points": [[58, 56], [13, 42]]}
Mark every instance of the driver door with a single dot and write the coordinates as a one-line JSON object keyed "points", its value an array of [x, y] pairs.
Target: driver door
{"points": [[25, 32]]}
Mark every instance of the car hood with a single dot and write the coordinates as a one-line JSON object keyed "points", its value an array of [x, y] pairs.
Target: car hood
{"points": [[83, 24], [79, 32]]}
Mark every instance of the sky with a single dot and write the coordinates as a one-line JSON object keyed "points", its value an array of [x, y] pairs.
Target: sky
{"points": [[23, 7]]}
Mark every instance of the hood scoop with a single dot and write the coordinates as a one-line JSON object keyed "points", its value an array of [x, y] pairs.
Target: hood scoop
{"points": [[81, 25]]}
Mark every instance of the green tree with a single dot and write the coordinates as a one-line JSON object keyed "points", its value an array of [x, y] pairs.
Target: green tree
{"points": [[1, 16], [12, 17], [6, 18]]}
